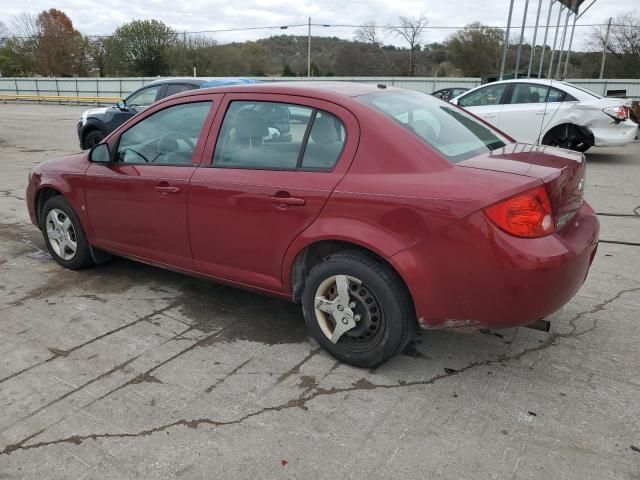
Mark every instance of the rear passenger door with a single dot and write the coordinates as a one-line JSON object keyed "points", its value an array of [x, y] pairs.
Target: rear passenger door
{"points": [[269, 166], [523, 112]]}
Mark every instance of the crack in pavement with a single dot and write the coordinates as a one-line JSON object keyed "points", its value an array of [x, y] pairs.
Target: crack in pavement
{"points": [[57, 353], [313, 391]]}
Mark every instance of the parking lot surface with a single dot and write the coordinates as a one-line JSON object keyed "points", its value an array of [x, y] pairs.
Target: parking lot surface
{"points": [[127, 371]]}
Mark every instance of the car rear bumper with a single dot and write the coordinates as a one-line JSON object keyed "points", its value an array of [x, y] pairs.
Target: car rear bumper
{"points": [[475, 275], [615, 135]]}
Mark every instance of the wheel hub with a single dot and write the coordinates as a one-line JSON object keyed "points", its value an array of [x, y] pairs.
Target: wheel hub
{"points": [[346, 308]]}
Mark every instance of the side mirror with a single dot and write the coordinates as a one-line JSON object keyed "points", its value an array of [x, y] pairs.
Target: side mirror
{"points": [[122, 105], [100, 154]]}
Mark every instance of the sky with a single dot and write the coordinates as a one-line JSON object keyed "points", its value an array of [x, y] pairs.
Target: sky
{"points": [[102, 17]]}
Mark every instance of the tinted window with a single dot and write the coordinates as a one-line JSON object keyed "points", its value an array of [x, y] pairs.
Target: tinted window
{"points": [[262, 135], [556, 95], [166, 137], [172, 89], [528, 93], [451, 131], [490, 95], [144, 97], [325, 143]]}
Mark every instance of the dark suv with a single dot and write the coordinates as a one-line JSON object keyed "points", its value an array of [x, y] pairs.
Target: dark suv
{"points": [[97, 123]]}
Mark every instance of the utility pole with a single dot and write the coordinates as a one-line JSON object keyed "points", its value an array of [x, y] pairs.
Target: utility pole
{"points": [[575, 19], [505, 45], [533, 43], [604, 50], [524, 23], [555, 40], [309, 50], [544, 42], [564, 37]]}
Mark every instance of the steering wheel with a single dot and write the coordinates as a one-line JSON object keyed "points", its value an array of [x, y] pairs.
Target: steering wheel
{"points": [[173, 136]]}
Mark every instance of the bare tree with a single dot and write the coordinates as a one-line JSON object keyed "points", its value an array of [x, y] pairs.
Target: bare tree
{"points": [[411, 29], [624, 37], [25, 26], [4, 32], [368, 33], [624, 44]]}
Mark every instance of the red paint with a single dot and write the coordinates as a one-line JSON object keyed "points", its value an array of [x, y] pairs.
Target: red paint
{"points": [[389, 193]]}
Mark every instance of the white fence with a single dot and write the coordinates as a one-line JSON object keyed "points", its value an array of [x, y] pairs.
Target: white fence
{"points": [[120, 87]]}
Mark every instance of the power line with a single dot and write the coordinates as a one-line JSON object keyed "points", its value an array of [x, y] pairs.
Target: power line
{"points": [[324, 25]]}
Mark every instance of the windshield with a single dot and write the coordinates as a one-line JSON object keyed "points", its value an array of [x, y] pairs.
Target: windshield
{"points": [[452, 132]]}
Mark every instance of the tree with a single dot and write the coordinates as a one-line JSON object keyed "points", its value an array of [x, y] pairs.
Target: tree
{"points": [[4, 33], [476, 49], [59, 45], [624, 44], [411, 29], [143, 47], [368, 33]]}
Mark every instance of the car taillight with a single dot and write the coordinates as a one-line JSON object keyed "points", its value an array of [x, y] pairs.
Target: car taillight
{"points": [[618, 113], [527, 214]]}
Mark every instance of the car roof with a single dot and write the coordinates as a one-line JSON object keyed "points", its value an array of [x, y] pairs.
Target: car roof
{"points": [[172, 80], [304, 88], [578, 92]]}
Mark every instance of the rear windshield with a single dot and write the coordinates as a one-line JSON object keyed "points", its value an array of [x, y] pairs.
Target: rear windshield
{"points": [[452, 132], [584, 90]]}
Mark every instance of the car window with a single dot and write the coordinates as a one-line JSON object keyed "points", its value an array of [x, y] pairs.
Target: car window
{"points": [[326, 141], [556, 95], [166, 137], [174, 88], [144, 97], [262, 135], [440, 93], [489, 95], [528, 93], [448, 129]]}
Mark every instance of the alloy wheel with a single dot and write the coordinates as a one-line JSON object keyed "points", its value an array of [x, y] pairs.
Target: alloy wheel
{"points": [[61, 234]]}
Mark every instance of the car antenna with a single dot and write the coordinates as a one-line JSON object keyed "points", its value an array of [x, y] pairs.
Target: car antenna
{"points": [[382, 85]]}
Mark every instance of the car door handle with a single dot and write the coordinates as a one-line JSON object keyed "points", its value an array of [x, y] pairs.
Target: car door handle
{"points": [[489, 115], [165, 189], [540, 113], [291, 201]]}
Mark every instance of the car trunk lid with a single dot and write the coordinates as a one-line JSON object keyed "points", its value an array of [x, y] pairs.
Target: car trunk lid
{"points": [[562, 172]]}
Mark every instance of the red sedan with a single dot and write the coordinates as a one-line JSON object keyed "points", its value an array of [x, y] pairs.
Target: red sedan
{"points": [[378, 209]]}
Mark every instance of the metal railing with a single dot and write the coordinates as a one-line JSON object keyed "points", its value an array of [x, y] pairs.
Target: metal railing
{"points": [[110, 90]]}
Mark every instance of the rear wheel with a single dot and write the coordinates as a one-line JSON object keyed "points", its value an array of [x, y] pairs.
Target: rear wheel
{"points": [[567, 136], [93, 138], [358, 309]]}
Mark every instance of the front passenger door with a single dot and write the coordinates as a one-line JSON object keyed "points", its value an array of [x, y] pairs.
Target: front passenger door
{"points": [[137, 204], [486, 102]]}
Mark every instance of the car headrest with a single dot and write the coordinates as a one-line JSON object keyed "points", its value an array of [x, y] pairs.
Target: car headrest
{"points": [[324, 130], [250, 124], [523, 94], [534, 97]]}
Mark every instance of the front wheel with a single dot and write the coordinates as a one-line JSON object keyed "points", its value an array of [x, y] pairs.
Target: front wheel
{"points": [[93, 138], [63, 234], [358, 309]]}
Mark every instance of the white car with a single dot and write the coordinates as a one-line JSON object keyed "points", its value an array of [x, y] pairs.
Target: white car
{"points": [[551, 112]]}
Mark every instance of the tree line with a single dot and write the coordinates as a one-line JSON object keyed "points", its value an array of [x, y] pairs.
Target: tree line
{"points": [[48, 44]]}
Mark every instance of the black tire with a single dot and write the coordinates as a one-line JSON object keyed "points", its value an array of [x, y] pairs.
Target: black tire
{"points": [[93, 138], [566, 136], [82, 256], [394, 312]]}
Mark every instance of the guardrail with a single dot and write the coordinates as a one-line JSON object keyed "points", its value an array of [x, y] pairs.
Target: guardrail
{"points": [[105, 90], [59, 99]]}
